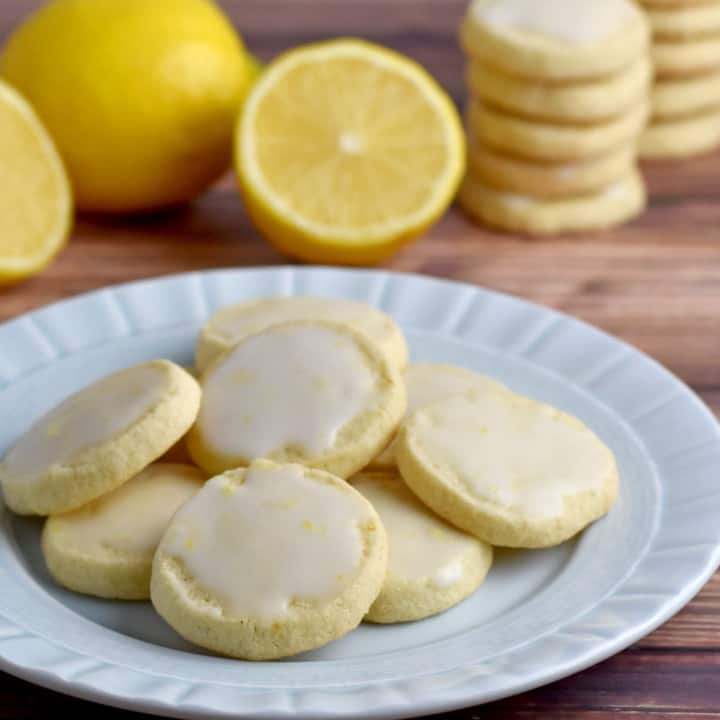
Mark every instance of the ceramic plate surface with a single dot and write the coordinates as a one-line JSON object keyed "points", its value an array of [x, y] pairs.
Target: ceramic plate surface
{"points": [[540, 616]]}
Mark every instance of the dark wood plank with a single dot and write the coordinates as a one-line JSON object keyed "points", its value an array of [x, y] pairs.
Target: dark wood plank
{"points": [[655, 283]]}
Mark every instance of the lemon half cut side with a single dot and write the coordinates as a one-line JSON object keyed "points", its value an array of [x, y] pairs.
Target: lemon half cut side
{"points": [[346, 150], [35, 196]]}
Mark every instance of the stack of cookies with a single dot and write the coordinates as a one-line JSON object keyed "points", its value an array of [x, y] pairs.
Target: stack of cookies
{"points": [[686, 95], [558, 98]]}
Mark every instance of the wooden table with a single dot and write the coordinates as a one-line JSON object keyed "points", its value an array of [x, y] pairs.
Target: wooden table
{"points": [[655, 283]]}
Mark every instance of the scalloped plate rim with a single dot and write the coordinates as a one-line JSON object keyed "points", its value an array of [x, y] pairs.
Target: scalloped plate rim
{"points": [[78, 688]]}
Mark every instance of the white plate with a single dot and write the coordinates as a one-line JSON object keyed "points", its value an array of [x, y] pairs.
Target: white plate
{"points": [[540, 616]]}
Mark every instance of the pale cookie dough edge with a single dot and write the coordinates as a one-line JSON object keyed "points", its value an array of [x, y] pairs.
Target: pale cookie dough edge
{"points": [[211, 344], [116, 576], [203, 622], [538, 216], [492, 523], [404, 601], [548, 59], [359, 440], [102, 468]]}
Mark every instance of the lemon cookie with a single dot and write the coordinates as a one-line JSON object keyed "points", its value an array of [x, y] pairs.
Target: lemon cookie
{"points": [[106, 547], [676, 97], [427, 382], [310, 392], [684, 21], [580, 102], [682, 137], [270, 561], [549, 142], [671, 3], [556, 180], [231, 324], [99, 438], [556, 39], [695, 55], [431, 565], [613, 205], [507, 469]]}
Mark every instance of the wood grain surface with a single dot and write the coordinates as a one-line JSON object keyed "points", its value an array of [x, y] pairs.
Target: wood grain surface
{"points": [[654, 283]]}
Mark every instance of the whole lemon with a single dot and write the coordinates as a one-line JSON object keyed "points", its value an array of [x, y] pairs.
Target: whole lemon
{"points": [[140, 96]]}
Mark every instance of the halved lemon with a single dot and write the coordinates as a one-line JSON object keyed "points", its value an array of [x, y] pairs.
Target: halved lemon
{"points": [[35, 197], [346, 150]]}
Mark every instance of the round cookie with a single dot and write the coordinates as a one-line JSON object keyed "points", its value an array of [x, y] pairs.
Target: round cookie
{"points": [[558, 40], [682, 137], [684, 21], [696, 55], [671, 3], [426, 383], [616, 204], [315, 393], [99, 438], [431, 565], [685, 96], [543, 180], [106, 548], [581, 102], [231, 324], [549, 142], [270, 561], [507, 469]]}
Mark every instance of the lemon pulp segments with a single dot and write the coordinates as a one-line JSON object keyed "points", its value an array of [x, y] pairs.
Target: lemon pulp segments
{"points": [[345, 150], [35, 198]]}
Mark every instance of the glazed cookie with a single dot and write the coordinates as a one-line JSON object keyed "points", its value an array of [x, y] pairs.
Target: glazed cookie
{"points": [[543, 180], [684, 21], [696, 55], [558, 40], [270, 561], [310, 392], [431, 565], [686, 96], [507, 469], [106, 547], [99, 438], [682, 137], [618, 203], [426, 383], [671, 3], [231, 324], [549, 142], [581, 102]]}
